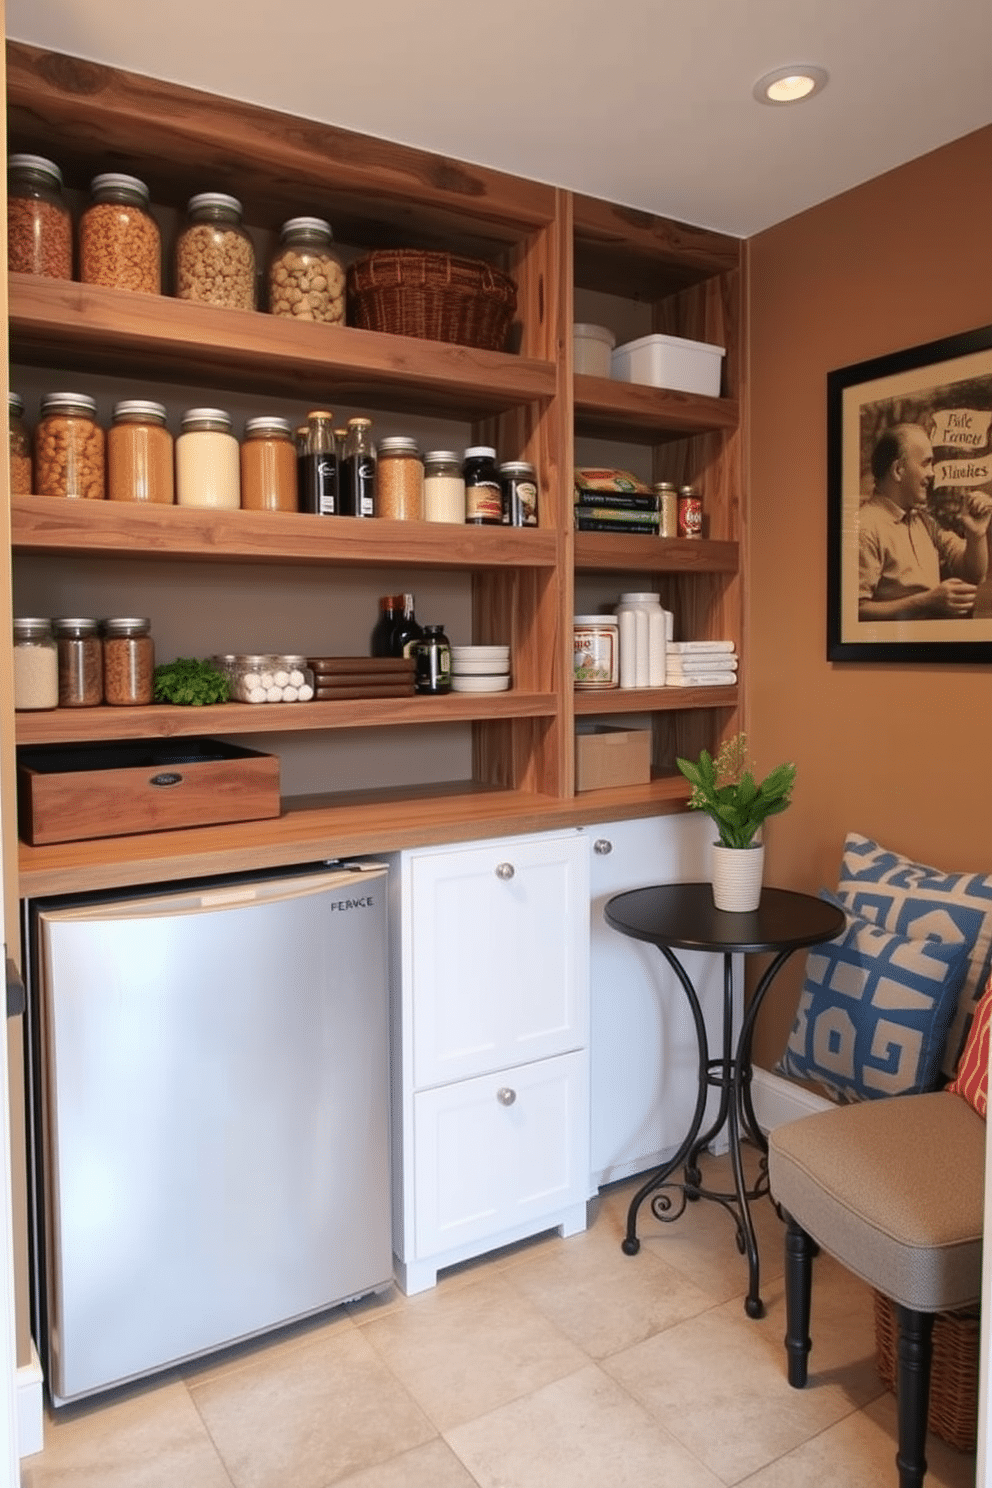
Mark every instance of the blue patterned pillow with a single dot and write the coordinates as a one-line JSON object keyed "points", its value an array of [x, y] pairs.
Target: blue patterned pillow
{"points": [[924, 903], [874, 1011]]}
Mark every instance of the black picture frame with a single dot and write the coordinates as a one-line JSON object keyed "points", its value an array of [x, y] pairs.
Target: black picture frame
{"points": [[946, 387]]}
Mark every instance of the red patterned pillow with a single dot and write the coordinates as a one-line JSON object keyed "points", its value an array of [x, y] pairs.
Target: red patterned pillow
{"points": [[971, 1078]]}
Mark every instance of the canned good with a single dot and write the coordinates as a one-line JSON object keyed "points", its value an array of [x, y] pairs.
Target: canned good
{"points": [[596, 652], [668, 509], [690, 513], [69, 448], [119, 242], [518, 482]]}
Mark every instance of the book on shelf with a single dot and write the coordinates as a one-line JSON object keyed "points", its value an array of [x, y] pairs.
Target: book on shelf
{"points": [[700, 679], [596, 524], [716, 661], [620, 500], [689, 648]]}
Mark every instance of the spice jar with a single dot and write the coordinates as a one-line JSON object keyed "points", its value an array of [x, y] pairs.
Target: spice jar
{"points": [[208, 463], [119, 243], [268, 465], [306, 278], [39, 223], [518, 484], [128, 661], [80, 661], [400, 479], [358, 470], [668, 509], [140, 465], [20, 447], [215, 258], [483, 497], [36, 666], [444, 487], [69, 448]]}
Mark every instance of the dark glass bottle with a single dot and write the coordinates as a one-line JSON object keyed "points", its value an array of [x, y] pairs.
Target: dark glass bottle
{"points": [[433, 657], [382, 631], [483, 494], [320, 466], [358, 470], [406, 632]]}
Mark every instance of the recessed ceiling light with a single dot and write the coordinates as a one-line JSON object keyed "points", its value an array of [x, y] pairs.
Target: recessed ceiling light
{"points": [[790, 84]]}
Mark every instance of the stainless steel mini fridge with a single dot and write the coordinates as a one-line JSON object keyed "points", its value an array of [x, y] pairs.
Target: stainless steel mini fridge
{"points": [[211, 1088]]}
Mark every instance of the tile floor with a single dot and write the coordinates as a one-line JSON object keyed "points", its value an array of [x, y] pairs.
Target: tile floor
{"points": [[556, 1362]]}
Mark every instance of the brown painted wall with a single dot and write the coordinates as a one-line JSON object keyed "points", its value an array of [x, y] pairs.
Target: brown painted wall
{"points": [[901, 753]]}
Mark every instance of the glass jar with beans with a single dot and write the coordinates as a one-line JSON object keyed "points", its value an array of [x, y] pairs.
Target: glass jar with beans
{"points": [[306, 277], [119, 242], [39, 223], [215, 257], [69, 448]]}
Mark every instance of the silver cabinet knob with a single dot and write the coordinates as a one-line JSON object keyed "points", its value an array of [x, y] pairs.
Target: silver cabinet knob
{"points": [[505, 1095], [504, 871], [603, 846]]}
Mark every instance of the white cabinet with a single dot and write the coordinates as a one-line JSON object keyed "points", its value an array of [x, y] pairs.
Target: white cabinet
{"points": [[642, 1043], [490, 970]]}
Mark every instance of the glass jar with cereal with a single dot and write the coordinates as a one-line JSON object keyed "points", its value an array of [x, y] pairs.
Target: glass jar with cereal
{"points": [[69, 448]]}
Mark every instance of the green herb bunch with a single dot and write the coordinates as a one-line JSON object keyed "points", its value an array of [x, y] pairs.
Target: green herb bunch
{"points": [[189, 682], [727, 791]]}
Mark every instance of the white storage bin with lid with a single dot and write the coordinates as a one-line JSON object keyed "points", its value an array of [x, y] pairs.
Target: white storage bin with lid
{"points": [[591, 349], [670, 362]]}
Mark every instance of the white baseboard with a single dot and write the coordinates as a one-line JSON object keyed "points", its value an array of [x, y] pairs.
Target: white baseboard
{"points": [[30, 1407], [777, 1100]]}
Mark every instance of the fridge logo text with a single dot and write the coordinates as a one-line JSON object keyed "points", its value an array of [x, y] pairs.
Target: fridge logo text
{"points": [[364, 903]]}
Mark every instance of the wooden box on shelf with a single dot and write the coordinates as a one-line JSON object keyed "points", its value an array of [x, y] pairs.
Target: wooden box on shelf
{"points": [[606, 756]]}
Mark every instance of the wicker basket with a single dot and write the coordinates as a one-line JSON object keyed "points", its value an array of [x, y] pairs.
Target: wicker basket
{"points": [[435, 296], [953, 1374]]}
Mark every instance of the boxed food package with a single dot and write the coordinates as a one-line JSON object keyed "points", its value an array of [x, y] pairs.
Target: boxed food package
{"points": [[670, 362], [607, 756]]}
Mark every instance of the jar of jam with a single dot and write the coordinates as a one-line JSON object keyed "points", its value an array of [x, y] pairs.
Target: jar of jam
{"points": [[208, 462], [400, 479], [80, 655], [518, 482], [119, 242], [36, 665], [140, 463], [39, 223], [128, 661], [69, 454], [483, 495], [215, 257], [20, 448], [444, 487], [268, 465], [306, 277]]}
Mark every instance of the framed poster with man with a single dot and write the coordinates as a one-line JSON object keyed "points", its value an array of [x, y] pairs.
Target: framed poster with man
{"points": [[909, 516]]}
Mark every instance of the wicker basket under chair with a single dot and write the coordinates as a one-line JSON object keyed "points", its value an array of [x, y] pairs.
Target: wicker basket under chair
{"points": [[953, 1413], [434, 296]]}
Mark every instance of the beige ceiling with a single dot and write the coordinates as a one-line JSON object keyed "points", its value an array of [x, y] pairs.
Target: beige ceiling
{"points": [[645, 102]]}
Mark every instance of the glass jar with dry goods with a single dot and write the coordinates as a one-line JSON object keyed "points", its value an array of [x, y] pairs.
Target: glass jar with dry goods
{"points": [[400, 479], [306, 277], [268, 465], [483, 495], [80, 654], [208, 462], [215, 257], [69, 452], [444, 487], [20, 448], [36, 665], [140, 464], [39, 223], [119, 242], [518, 482], [128, 661]]}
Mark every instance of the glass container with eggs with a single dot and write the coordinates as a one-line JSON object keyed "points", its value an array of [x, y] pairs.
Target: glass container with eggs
{"points": [[267, 678]]}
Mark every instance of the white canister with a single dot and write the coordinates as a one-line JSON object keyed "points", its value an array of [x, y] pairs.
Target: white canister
{"points": [[208, 460], [642, 635], [596, 652]]}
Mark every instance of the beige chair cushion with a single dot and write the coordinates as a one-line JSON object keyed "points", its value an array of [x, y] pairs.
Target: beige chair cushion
{"points": [[894, 1190]]}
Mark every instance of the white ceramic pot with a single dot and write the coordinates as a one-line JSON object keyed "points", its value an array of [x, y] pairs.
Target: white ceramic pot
{"points": [[736, 874]]}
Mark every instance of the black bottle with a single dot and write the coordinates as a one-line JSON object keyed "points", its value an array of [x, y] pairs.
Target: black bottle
{"points": [[320, 467], [382, 631], [483, 493], [433, 656], [357, 472], [406, 631]]}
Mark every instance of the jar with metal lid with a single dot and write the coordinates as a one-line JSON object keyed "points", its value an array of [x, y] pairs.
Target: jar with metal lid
{"points": [[39, 223], [80, 654], [208, 462], [20, 448], [690, 512], [596, 652], [400, 479], [119, 242], [483, 495], [268, 465], [128, 661], [444, 487], [140, 457], [668, 509], [306, 276], [69, 448], [357, 469], [432, 656], [215, 257], [36, 665], [518, 482]]}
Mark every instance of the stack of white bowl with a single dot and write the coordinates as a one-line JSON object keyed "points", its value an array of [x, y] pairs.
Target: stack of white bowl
{"points": [[480, 668]]}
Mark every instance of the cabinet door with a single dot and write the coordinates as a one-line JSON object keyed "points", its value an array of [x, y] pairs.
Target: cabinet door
{"points": [[500, 1152], [500, 955]]}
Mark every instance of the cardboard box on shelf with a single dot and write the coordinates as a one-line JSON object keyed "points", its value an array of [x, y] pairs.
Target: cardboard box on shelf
{"points": [[606, 756]]}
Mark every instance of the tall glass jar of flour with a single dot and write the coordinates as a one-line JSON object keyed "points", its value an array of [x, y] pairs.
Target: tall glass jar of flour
{"points": [[208, 460]]}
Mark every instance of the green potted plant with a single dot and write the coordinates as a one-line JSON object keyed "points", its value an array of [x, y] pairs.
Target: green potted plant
{"points": [[738, 806]]}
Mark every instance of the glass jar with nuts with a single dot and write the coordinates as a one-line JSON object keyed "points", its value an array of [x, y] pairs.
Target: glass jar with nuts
{"points": [[119, 242], [39, 223], [69, 448], [306, 277], [215, 257]]}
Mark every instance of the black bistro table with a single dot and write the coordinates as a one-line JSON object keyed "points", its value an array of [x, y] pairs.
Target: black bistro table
{"points": [[683, 917]]}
